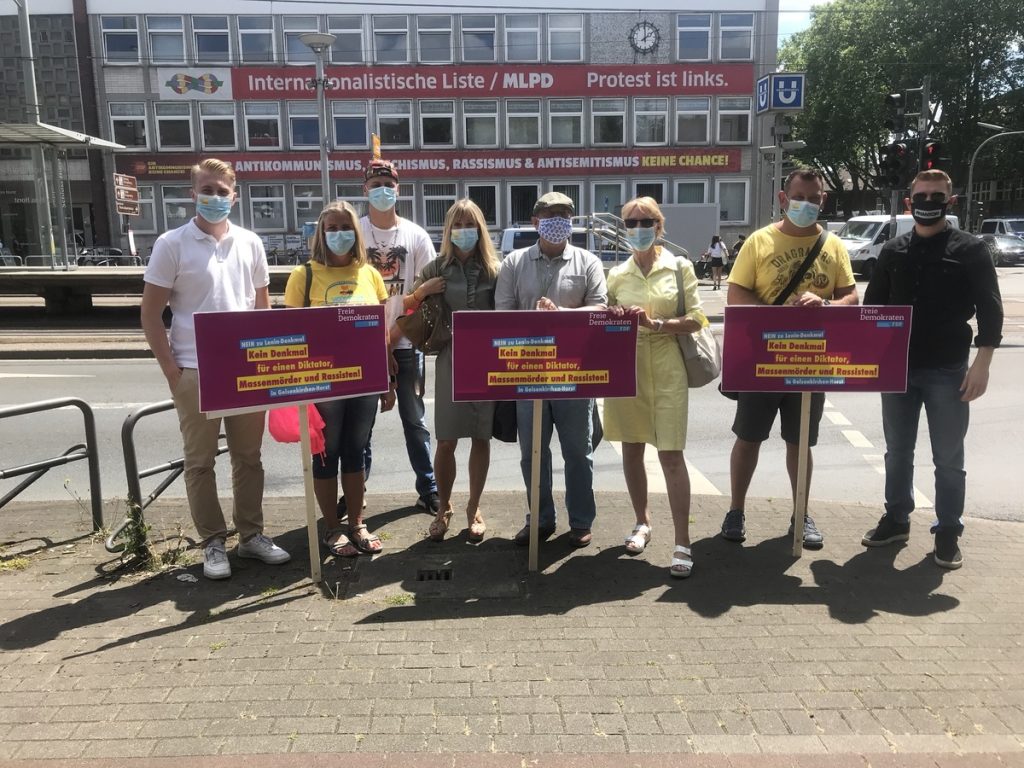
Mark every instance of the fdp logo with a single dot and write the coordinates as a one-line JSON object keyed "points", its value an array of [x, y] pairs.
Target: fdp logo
{"points": [[182, 83]]}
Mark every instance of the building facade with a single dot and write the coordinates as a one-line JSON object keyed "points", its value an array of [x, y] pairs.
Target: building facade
{"points": [[485, 103]]}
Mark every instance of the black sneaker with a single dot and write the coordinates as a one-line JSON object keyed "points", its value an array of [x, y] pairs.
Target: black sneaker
{"points": [[888, 531], [947, 550], [812, 536], [430, 504], [733, 528]]}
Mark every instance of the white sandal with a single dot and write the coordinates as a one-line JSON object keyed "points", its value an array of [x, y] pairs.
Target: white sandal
{"points": [[637, 541], [682, 562]]}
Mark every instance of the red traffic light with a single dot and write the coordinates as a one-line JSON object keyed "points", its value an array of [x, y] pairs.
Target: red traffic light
{"points": [[932, 153]]}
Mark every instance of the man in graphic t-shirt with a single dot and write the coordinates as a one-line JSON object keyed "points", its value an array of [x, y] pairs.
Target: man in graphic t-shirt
{"points": [[399, 249], [762, 270]]}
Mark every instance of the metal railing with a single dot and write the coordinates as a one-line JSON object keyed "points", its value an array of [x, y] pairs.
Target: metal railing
{"points": [[37, 469], [133, 475]]}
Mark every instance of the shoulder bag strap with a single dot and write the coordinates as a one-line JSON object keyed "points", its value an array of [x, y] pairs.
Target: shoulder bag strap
{"points": [[309, 283], [680, 295], [798, 275]]}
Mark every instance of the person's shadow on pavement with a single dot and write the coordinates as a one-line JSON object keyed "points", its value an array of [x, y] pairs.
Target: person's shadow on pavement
{"points": [[203, 600]]}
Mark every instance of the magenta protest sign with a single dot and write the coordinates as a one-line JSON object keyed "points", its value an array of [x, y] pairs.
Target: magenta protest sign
{"points": [[816, 349], [253, 360], [539, 355]]}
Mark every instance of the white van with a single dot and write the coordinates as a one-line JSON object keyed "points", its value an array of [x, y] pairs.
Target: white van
{"points": [[864, 237]]}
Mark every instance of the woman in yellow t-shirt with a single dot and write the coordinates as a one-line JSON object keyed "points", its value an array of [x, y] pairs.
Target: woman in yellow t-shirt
{"points": [[647, 285], [338, 273]]}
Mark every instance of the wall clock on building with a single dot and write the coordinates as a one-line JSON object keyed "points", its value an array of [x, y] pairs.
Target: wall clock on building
{"points": [[644, 37]]}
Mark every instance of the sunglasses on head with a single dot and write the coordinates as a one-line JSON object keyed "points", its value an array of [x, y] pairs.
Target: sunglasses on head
{"points": [[634, 223], [934, 197]]}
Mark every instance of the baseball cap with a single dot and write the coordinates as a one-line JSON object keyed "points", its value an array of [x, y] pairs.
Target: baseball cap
{"points": [[378, 167], [553, 200]]}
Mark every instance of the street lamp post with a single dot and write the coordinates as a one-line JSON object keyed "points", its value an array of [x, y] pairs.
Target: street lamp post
{"points": [[970, 170], [320, 43]]}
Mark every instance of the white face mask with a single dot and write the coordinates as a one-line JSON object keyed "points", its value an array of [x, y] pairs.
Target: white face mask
{"points": [[802, 213]]}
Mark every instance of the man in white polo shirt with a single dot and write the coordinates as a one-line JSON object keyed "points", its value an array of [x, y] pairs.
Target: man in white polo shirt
{"points": [[211, 265]]}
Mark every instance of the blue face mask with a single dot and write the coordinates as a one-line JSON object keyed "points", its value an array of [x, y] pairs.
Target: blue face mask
{"points": [[465, 239], [383, 198], [802, 213], [555, 229], [641, 238], [213, 208], [340, 242]]}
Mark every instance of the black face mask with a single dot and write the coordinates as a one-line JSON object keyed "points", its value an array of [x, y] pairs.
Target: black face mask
{"points": [[928, 212]]}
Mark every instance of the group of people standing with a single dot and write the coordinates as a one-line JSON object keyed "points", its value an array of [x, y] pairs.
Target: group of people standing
{"points": [[209, 264]]}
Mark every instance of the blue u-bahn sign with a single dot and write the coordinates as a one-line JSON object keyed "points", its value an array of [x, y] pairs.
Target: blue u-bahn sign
{"points": [[780, 91]]}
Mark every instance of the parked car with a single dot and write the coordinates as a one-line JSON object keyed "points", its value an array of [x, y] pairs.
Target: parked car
{"points": [[1006, 250], [1012, 226]]}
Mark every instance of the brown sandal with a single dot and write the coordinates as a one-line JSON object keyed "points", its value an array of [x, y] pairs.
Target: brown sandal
{"points": [[439, 526], [477, 528]]}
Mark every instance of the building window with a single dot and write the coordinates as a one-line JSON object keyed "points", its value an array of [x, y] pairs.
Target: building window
{"points": [[478, 36], [437, 199], [262, 125], [128, 125], [166, 39], [437, 123], [350, 129], [608, 196], [572, 191], [435, 38], [179, 207], [734, 120], [352, 193], [650, 121], [266, 207], [609, 121], [486, 198], [565, 37], [120, 39], [391, 39], [296, 51], [523, 123], [394, 123], [218, 122], [145, 222], [481, 123], [691, 192], [174, 125], [731, 195], [348, 47], [652, 189], [522, 37], [736, 41], [303, 125], [565, 122], [692, 117], [309, 201], [694, 36], [256, 38], [211, 39], [521, 198]]}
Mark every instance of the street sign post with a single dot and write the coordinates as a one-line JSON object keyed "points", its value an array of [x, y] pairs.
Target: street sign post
{"points": [[126, 195]]}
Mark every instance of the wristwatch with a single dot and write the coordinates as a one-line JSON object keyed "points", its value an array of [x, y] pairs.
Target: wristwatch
{"points": [[657, 325]]}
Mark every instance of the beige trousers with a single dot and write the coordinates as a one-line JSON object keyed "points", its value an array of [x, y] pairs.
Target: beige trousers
{"points": [[200, 437]]}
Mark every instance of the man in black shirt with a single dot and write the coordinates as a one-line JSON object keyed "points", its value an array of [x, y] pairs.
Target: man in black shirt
{"points": [[947, 276]]}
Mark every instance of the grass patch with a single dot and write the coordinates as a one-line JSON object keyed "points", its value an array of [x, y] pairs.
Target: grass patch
{"points": [[14, 564], [403, 599]]}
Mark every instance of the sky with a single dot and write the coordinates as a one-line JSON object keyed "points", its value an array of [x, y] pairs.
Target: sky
{"points": [[794, 16]]}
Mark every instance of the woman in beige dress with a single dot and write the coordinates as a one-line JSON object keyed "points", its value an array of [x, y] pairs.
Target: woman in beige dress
{"points": [[464, 273]]}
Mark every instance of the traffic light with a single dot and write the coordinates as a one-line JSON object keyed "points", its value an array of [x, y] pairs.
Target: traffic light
{"points": [[896, 122], [931, 155], [894, 164]]}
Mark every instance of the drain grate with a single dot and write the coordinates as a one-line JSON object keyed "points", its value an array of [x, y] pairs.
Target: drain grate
{"points": [[434, 574]]}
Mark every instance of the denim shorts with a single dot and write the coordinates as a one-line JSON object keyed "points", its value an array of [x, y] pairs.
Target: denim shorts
{"points": [[756, 411], [347, 425]]}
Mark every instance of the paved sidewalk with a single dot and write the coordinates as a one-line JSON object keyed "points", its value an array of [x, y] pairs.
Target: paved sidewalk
{"points": [[845, 657]]}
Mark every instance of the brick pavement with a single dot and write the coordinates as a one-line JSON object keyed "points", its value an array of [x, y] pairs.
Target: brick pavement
{"points": [[847, 657]]}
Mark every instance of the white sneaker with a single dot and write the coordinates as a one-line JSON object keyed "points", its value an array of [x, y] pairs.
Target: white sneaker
{"points": [[261, 547], [215, 560]]}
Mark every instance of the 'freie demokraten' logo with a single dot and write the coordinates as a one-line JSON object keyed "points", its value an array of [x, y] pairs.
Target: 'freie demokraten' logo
{"points": [[182, 83]]}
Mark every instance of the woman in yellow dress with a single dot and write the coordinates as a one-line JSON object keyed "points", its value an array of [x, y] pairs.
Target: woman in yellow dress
{"points": [[647, 285]]}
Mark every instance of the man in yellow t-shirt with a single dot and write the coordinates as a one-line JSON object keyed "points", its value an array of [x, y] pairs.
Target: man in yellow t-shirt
{"points": [[762, 270]]}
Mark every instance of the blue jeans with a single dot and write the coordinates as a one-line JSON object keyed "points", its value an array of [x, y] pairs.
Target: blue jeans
{"points": [[412, 412], [938, 389], [572, 419]]}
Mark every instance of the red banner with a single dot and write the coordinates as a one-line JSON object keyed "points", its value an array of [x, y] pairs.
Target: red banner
{"points": [[489, 81], [258, 166]]}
